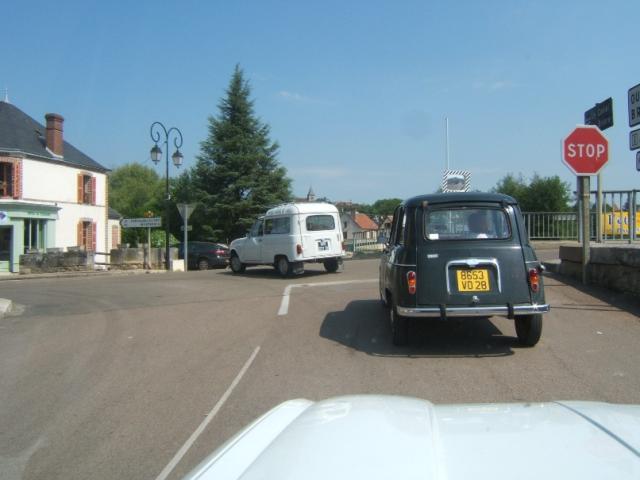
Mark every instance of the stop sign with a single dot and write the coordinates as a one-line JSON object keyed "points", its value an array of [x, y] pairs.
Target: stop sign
{"points": [[585, 150]]}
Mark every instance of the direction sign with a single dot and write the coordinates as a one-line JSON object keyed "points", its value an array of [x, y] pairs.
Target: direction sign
{"points": [[141, 222], [634, 105], [634, 139], [601, 115], [585, 150]]}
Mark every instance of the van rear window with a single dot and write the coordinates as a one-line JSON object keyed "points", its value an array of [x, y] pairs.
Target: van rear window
{"points": [[316, 223]]}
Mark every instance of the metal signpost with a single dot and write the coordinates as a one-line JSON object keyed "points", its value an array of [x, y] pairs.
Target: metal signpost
{"points": [[601, 115], [585, 151], [185, 209]]}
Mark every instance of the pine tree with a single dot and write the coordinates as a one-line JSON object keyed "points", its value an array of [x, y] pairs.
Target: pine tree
{"points": [[237, 175]]}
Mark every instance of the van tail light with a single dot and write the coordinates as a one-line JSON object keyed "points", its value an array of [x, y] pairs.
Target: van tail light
{"points": [[534, 280], [344, 246], [411, 282], [299, 249]]}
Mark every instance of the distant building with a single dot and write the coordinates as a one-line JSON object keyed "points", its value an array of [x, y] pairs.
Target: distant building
{"points": [[311, 197], [51, 194], [359, 223]]}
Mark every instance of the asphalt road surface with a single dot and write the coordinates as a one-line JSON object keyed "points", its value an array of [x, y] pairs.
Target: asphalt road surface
{"points": [[142, 376]]}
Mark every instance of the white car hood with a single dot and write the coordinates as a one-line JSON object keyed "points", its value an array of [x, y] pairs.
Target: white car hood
{"points": [[389, 437]]}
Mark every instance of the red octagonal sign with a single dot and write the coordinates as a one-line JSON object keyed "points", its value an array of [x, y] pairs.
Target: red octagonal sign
{"points": [[585, 150]]}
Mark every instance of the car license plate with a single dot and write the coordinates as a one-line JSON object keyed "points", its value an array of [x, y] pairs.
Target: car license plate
{"points": [[474, 280], [323, 244]]}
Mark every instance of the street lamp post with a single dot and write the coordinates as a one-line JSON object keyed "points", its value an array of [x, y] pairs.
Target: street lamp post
{"points": [[156, 130]]}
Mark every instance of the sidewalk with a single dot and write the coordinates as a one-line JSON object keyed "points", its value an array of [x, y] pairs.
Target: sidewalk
{"points": [[95, 273]]}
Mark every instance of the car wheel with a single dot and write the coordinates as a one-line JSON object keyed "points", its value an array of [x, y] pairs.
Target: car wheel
{"points": [[529, 329], [203, 264], [283, 266], [331, 265], [399, 327], [236, 265]]}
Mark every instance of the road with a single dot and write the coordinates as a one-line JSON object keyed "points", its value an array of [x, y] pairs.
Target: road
{"points": [[109, 377]]}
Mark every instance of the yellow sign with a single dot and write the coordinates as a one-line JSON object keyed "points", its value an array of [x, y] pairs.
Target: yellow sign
{"points": [[617, 223]]}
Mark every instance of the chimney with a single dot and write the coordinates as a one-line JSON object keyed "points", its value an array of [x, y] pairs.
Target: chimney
{"points": [[54, 132]]}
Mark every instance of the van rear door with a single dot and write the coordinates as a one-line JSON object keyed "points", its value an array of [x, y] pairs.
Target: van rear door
{"points": [[321, 235]]}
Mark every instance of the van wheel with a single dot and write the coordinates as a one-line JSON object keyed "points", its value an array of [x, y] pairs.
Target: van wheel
{"points": [[529, 329], [236, 265], [283, 266], [399, 327], [203, 264], [331, 265]]}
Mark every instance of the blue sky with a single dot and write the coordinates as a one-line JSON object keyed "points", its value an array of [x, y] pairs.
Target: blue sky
{"points": [[355, 92]]}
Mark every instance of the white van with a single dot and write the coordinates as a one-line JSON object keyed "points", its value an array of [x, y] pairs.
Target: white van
{"points": [[289, 235]]}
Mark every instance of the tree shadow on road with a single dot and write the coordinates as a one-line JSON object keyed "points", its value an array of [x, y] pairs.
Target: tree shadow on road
{"points": [[620, 301], [364, 326]]}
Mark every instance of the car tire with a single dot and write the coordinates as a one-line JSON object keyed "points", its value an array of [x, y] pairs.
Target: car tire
{"points": [[399, 327], [203, 264], [331, 265], [529, 329], [283, 267], [236, 265]]}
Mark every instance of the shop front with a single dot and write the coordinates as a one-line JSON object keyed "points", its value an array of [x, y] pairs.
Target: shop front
{"points": [[24, 227]]}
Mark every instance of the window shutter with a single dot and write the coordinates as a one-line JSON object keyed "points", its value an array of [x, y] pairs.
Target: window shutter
{"points": [[94, 228], [80, 188], [17, 179], [93, 190], [80, 233]]}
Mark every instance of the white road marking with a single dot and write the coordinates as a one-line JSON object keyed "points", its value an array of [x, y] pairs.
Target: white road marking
{"points": [[194, 436], [284, 304]]}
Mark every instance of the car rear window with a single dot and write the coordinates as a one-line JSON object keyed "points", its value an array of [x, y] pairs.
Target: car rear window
{"points": [[316, 223], [469, 223]]}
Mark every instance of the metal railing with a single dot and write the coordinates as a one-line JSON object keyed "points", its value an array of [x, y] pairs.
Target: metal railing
{"points": [[551, 225], [369, 242]]}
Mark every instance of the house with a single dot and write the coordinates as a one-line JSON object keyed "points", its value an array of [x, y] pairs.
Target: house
{"points": [[52, 195], [114, 235], [360, 224]]}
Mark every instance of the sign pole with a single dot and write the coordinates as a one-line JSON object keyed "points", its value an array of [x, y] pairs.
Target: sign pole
{"points": [[149, 248], [185, 245], [586, 234], [599, 210]]}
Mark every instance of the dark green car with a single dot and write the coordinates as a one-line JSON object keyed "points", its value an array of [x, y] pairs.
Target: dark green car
{"points": [[461, 255]]}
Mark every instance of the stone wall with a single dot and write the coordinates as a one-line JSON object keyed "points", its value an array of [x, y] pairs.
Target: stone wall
{"points": [[615, 267], [125, 258], [55, 260]]}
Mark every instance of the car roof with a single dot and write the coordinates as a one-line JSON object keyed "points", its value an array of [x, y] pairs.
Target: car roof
{"points": [[296, 208], [459, 197]]}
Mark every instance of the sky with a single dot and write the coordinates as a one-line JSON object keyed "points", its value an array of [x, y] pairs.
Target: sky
{"points": [[355, 92]]}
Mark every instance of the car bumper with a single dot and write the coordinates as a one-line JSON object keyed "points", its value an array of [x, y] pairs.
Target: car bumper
{"points": [[479, 311]]}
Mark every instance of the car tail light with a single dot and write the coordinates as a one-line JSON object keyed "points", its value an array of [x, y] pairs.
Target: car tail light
{"points": [[411, 282], [299, 249], [219, 252], [534, 280]]}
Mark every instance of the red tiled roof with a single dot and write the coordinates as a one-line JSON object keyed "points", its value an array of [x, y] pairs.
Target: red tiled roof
{"points": [[364, 222]]}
